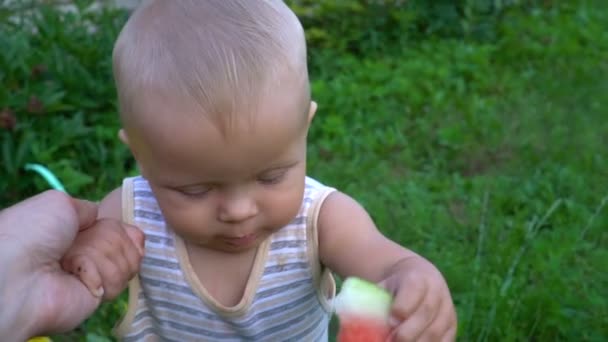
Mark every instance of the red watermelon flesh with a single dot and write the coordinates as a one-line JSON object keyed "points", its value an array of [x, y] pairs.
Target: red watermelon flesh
{"points": [[363, 309], [362, 330]]}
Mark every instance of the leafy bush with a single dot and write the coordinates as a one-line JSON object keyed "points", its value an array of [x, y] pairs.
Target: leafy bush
{"points": [[362, 27], [58, 101]]}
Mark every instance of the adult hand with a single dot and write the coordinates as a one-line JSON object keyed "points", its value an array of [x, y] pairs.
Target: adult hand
{"points": [[36, 295]]}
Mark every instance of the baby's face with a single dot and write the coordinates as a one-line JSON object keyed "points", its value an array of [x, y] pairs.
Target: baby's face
{"points": [[225, 192]]}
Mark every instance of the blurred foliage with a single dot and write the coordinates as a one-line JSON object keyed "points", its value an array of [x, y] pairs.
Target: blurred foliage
{"points": [[367, 26], [57, 101], [474, 132]]}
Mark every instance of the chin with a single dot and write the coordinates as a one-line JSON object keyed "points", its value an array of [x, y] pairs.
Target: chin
{"points": [[236, 249]]}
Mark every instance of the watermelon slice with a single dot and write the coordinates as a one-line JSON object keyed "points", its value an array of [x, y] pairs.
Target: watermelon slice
{"points": [[363, 310]]}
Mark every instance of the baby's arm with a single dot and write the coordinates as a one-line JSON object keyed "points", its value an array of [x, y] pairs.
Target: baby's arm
{"points": [[351, 245], [106, 256]]}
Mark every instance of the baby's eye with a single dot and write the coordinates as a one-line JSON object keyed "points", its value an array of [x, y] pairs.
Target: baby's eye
{"points": [[194, 192], [272, 178]]}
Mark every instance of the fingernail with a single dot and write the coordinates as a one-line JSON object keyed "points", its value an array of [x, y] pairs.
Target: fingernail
{"points": [[99, 292]]}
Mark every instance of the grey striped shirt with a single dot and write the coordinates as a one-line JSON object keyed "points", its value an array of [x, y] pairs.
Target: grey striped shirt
{"points": [[288, 303]]}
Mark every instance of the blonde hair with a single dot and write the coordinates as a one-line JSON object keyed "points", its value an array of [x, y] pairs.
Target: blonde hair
{"points": [[221, 54]]}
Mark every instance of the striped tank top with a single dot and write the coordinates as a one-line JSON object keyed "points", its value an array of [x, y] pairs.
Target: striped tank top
{"points": [[287, 297]]}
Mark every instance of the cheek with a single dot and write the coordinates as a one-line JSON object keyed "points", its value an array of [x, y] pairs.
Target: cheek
{"points": [[182, 215], [284, 204]]}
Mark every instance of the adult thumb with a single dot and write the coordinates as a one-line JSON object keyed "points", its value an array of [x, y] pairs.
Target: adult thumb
{"points": [[86, 212]]}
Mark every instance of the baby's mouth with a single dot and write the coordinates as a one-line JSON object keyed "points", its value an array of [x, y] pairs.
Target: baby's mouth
{"points": [[240, 241]]}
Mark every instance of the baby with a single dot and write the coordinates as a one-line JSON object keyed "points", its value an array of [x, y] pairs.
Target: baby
{"points": [[241, 244]]}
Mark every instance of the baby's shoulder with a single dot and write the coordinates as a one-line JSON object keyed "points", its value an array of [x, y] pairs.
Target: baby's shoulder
{"points": [[314, 187], [112, 205]]}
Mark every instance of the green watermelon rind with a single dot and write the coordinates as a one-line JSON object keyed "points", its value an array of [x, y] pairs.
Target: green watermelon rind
{"points": [[359, 298]]}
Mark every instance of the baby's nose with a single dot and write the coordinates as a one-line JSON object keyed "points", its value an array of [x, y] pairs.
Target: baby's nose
{"points": [[237, 209]]}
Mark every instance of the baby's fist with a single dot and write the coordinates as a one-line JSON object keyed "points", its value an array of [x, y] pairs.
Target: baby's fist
{"points": [[422, 309], [105, 257]]}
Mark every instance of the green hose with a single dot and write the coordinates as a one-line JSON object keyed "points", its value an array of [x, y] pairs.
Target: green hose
{"points": [[50, 178]]}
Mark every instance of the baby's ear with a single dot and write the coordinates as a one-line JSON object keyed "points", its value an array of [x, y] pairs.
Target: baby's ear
{"points": [[311, 111], [122, 135]]}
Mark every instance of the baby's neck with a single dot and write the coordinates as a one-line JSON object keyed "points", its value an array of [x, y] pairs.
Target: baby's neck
{"points": [[223, 275]]}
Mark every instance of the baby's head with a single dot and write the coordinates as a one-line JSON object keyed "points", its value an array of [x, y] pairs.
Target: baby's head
{"points": [[223, 57], [215, 106]]}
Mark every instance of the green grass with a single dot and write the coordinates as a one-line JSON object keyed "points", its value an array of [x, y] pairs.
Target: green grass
{"points": [[487, 157], [498, 175]]}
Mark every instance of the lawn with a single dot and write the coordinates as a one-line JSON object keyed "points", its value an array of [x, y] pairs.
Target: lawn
{"points": [[483, 148]]}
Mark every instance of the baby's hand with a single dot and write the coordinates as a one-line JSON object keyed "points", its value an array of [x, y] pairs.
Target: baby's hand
{"points": [[105, 257], [422, 309]]}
